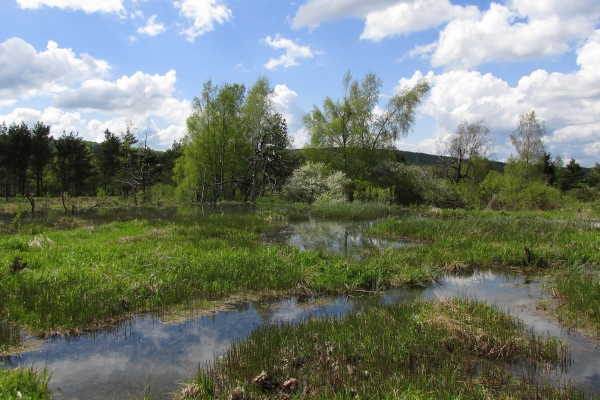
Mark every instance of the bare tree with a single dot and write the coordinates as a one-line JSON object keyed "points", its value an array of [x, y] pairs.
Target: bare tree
{"points": [[459, 151]]}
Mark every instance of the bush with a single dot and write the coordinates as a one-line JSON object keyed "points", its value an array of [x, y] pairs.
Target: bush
{"points": [[310, 183], [411, 184], [511, 192]]}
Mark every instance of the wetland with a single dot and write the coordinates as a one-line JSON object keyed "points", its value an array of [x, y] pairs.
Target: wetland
{"points": [[154, 302]]}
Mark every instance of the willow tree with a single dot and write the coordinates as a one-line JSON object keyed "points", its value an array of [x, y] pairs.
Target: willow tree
{"points": [[354, 127]]}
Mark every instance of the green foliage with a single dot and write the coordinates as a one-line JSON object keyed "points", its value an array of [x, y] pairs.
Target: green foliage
{"points": [[412, 184], [593, 178], [109, 161], [517, 190], [527, 139], [571, 177], [356, 128], [24, 383], [234, 146], [74, 163]]}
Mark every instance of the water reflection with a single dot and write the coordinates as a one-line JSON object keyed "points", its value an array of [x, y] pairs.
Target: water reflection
{"points": [[332, 236], [121, 362]]}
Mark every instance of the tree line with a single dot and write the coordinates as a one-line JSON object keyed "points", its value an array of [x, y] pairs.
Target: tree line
{"points": [[34, 163], [237, 148]]}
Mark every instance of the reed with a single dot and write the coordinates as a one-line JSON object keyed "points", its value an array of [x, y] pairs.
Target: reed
{"points": [[85, 276], [355, 210], [24, 383], [453, 349], [567, 251]]}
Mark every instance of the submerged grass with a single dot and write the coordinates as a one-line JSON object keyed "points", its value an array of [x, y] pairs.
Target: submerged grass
{"points": [[566, 250], [24, 383], [452, 349], [90, 276]]}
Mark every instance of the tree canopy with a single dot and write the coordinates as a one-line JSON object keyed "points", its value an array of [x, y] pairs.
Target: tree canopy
{"points": [[355, 127]]}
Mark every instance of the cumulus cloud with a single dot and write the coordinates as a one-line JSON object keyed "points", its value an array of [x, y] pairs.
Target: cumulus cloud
{"points": [[568, 102], [407, 17], [315, 12], [25, 73], [286, 103], [104, 6], [204, 14], [517, 30], [152, 28], [495, 35], [293, 51], [138, 93]]}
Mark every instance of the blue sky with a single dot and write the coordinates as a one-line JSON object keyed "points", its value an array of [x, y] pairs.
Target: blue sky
{"points": [[86, 66]]}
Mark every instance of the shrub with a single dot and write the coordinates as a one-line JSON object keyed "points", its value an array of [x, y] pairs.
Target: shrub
{"points": [[310, 183], [412, 184]]}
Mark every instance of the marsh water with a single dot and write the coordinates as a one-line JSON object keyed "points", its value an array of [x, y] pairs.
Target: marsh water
{"points": [[149, 355]]}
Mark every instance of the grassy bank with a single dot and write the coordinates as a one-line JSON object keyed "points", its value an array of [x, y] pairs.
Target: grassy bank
{"points": [[453, 349], [355, 210], [79, 275], [566, 251], [24, 383]]}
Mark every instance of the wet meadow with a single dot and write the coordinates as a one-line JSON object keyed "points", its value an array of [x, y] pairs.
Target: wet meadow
{"points": [[72, 275]]}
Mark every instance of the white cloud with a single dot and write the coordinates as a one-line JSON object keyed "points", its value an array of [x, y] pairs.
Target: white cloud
{"points": [[407, 17], [204, 14], [286, 103], [139, 93], [152, 28], [517, 30], [25, 73], [568, 102], [58, 120], [494, 35], [293, 51], [89, 6], [315, 12]]}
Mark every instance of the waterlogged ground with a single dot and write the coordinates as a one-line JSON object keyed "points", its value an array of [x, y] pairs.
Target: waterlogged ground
{"points": [[148, 355]]}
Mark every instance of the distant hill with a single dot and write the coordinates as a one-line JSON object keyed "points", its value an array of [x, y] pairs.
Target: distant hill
{"points": [[412, 158], [425, 159]]}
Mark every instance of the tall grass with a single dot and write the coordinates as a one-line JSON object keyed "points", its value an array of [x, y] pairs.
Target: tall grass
{"points": [[89, 276], [578, 289], [354, 210], [24, 383], [454, 349], [567, 250]]}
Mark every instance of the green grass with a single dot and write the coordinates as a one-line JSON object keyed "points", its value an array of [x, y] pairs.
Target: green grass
{"points": [[24, 383], [84, 276], [578, 289], [568, 251], [454, 349], [354, 210]]}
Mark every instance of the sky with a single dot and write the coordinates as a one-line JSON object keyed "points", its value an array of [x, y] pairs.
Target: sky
{"points": [[90, 65]]}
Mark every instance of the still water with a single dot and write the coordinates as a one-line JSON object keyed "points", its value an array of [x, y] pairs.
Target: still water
{"points": [[148, 354]]}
